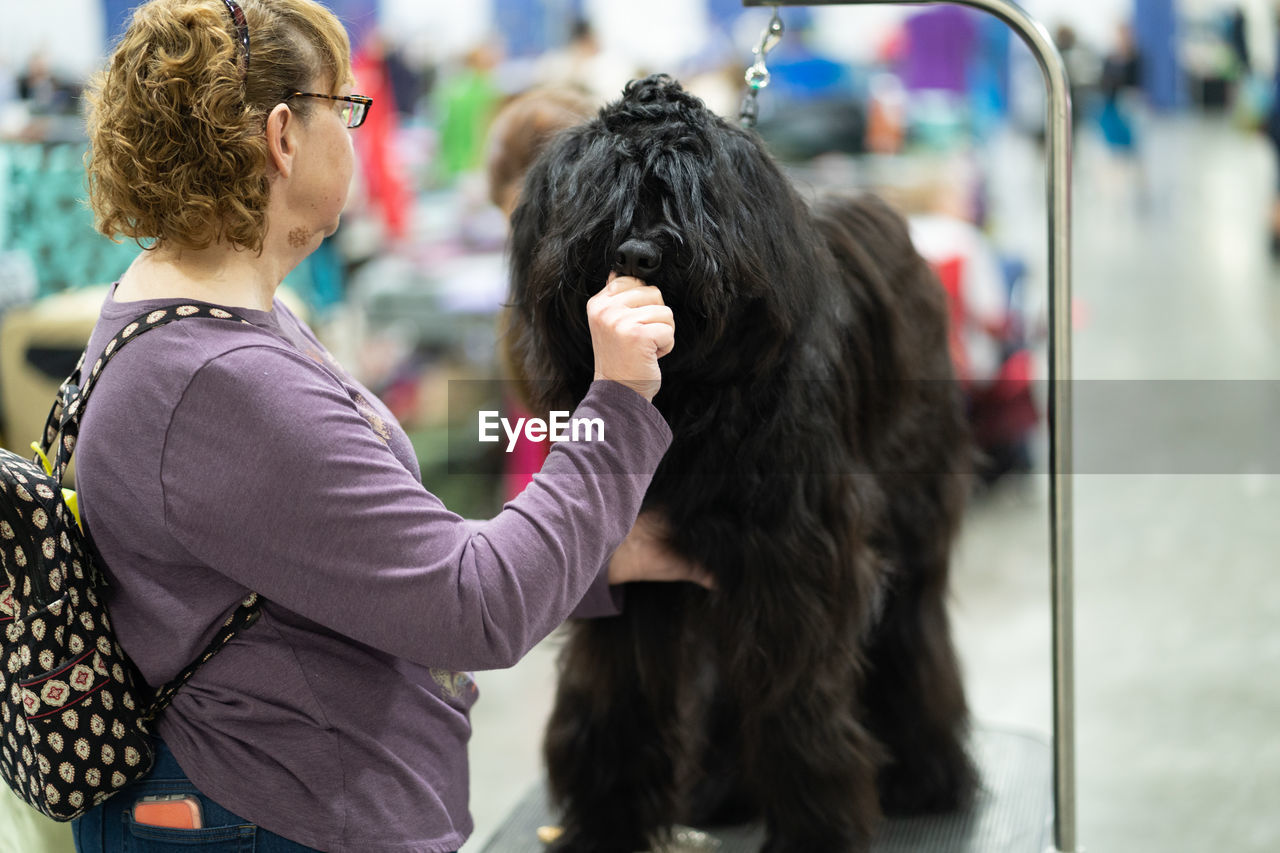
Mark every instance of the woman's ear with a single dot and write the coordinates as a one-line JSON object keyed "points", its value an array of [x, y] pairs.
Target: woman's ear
{"points": [[282, 145]]}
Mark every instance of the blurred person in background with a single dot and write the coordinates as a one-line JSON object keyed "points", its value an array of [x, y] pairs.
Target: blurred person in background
{"points": [[45, 93], [520, 132], [220, 458], [988, 335], [1238, 40], [1120, 80], [466, 101], [584, 65], [1083, 69], [385, 182], [1271, 127], [410, 80], [938, 50]]}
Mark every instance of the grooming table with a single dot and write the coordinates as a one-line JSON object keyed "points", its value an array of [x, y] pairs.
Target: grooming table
{"points": [[1013, 811]]}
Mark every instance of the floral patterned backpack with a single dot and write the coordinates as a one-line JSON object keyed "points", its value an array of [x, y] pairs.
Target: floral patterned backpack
{"points": [[75, 716]]}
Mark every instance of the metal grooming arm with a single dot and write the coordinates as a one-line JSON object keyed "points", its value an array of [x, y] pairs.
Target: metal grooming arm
{"points": [[1060, 464]]}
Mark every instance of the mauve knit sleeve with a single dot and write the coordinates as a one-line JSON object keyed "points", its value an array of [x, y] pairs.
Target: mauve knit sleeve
{"points": [[601, 599], [273, 478]]}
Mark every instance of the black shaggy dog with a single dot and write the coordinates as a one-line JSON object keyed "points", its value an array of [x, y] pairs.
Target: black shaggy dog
{"points": [[818, 471]]}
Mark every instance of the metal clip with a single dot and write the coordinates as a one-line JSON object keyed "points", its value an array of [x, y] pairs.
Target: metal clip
{"points": [[757, 76]]}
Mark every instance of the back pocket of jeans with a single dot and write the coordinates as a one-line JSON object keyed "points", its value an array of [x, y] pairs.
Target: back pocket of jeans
{"points": [[143, 838]]}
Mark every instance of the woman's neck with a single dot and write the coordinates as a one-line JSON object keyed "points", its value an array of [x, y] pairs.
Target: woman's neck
{"points": [[220, 274]]}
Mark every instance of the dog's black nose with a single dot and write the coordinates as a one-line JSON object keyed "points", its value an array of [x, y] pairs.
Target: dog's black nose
{"points": [[638, 258]]}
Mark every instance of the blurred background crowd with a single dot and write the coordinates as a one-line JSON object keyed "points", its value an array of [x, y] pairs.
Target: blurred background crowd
{"points": [[919, 104], [941, 110]]}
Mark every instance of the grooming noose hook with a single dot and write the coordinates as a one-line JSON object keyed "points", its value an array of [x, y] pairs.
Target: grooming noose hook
{"points": [[757, 75]]}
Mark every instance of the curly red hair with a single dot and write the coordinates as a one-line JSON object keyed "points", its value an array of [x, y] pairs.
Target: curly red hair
{"points": [[177, 150]]}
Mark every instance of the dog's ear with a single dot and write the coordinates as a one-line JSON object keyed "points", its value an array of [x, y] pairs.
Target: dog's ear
{"points": [[761, 235], [547, 337], [528, 221]]}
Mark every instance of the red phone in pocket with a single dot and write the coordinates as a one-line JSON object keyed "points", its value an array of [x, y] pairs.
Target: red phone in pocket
{"points": [[172, 811]]}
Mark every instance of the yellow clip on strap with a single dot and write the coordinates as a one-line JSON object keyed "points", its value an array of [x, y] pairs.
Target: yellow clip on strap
{"points": [[68, 495]]}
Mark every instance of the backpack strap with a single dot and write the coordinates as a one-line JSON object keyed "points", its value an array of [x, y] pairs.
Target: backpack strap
{"points": [[244, 616], [68, 406], [63, 426]]}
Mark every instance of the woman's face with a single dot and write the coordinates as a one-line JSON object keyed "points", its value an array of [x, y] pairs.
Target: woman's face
{"points": [[325, 164]]}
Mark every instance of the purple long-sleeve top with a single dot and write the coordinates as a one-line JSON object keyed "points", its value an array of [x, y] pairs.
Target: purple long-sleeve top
{"points": [[218, 458]]}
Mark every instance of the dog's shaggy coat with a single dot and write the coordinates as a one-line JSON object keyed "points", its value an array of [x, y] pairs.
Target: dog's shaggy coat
{"points": [[818, 471]]}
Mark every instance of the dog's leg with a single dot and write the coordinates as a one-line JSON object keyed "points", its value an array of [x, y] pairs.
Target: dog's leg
{"points": [[719, 794], [615, 739], [793, 669], [914, 695], [813, 767]]}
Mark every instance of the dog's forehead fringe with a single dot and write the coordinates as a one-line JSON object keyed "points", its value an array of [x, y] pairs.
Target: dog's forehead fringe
{"points": [[658, 105], [662, 146]]}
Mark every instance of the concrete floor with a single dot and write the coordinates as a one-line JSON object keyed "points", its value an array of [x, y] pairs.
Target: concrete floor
{"points": [[1177, 513]]}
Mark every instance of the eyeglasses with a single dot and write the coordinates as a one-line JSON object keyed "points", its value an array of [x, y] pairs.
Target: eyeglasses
{"points": [[242, 29], [354, 110]]}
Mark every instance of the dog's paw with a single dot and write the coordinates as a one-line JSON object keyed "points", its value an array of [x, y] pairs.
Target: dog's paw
{"points": [[791, 844], [938, 786], [562, 840]]}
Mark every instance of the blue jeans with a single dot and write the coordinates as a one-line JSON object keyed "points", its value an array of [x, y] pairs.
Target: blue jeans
{"points": [[109, 827]]}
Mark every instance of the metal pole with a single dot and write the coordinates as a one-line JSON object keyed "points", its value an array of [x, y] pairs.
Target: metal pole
{"points": [[1061, 564]]}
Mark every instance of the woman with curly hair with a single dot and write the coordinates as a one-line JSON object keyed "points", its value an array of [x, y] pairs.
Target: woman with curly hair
{"points": [[223, 458]]}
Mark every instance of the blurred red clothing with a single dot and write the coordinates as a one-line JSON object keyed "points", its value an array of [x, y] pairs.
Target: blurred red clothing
{"points": [[384, 177]]}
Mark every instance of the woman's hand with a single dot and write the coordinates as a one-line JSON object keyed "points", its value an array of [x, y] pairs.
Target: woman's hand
{"points": [[645, 555], [631, 329]]}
